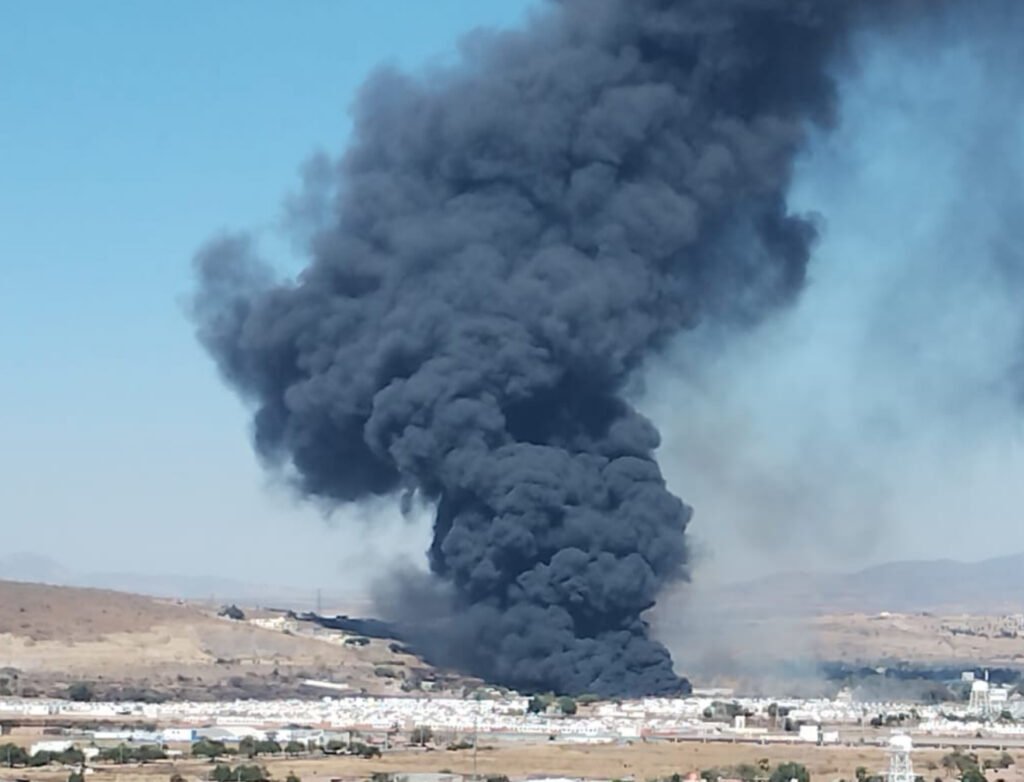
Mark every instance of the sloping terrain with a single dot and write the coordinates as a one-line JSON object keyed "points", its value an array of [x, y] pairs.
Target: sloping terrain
{"points": [[132, 646], [988, 587], [787, 631]]}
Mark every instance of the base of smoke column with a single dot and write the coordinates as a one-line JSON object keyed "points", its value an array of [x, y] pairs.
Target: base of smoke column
{"points": [[436, 641]]}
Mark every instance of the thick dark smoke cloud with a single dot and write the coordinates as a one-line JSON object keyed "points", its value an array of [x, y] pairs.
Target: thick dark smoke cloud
{"points": [[501, 246]]}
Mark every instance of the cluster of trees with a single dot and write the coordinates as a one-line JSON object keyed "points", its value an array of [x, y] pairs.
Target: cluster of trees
{"points": [[208, 748], [244, 773], [1005, 760], [539, 704], [727, 710], [964, 765], [126, 753], [357, 748], [251, 748], [783, 772], [12, 755]]}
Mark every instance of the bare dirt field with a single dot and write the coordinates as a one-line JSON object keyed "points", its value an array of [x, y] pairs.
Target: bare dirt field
{"points": [[922, 637], [640, 761]]}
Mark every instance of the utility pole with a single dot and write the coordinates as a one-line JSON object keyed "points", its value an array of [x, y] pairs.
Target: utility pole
{"points": [[476, 732]]}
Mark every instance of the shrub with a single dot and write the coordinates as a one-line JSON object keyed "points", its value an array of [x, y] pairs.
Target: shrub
{"points": [[784, 772], [421, 736], [81, 692]]}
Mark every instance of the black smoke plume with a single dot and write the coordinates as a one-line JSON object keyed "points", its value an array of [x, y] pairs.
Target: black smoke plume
{"points": [[501, 246]]}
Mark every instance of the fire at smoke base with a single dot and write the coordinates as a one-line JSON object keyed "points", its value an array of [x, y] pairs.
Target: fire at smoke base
{"points": [[501, 246]]}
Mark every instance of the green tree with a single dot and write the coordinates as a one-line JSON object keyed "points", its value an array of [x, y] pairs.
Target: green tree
{"points": [[362, 750], [294, 747], [251, 773], [12, 755], [784, 772], [421, 735], [147, 753], [537, 705], [176, 777], [746, 771], [567, 705], [292, 777], [118, 754], [247, 747], [71, 757], [960, 763], [76, 776], [972, 775], [81, 692], [221, 773], [861, 773], [207, 748]]}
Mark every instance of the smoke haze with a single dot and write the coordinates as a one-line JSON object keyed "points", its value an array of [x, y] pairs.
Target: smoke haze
{"points": [[500, 250], [879, 418]]}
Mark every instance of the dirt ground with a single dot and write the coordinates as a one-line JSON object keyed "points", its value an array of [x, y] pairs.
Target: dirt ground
{"points": [[125, 644], [923, 638], [640, 761], [137, 647]]}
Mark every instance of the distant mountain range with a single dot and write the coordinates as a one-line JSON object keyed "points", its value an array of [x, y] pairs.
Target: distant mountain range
{"points": [[43, 570], [990, 586]]}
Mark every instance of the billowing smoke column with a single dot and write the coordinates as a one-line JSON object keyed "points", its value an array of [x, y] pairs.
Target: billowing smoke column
{"points": [[502, 244]]}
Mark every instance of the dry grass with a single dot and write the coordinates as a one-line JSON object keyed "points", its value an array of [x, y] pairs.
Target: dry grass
{"points": [[640, 761], [57, 635], [922, 638]]}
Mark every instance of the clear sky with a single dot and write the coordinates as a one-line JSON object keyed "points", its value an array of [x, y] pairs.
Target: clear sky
{"points": [[871, 422], [129, 134]]}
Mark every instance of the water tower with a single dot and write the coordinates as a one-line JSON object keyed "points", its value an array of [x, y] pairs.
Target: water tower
{"points": [[901, 769], [980, 703]]}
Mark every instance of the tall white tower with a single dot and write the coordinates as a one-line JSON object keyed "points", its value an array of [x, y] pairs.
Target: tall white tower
{"points": [[901, 769]]}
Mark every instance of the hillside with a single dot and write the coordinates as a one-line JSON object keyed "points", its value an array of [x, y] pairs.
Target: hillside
{"points": [[132, 646], [987, 587], [778, 631]]}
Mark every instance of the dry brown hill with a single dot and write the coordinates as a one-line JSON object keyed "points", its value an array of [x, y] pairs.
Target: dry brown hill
{"points": [[132, 646]]}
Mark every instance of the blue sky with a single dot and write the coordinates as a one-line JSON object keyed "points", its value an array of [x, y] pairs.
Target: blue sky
{"points": [[129, 134], [868, 423]]}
